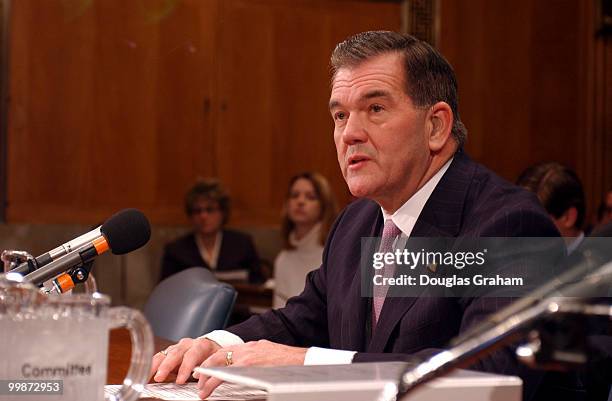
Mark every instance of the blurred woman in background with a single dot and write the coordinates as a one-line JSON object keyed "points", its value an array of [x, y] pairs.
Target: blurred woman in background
{"points": [[308, 213], [230, 254]]}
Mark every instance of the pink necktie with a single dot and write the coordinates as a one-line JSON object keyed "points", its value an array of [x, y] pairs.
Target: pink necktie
{"points": [[389, 234]]}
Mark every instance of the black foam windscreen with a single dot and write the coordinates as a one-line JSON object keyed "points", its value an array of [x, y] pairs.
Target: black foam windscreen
{"points": [[126, 231]]}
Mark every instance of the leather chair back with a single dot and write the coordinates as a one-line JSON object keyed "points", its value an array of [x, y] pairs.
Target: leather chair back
{"points": [[189, 304]]}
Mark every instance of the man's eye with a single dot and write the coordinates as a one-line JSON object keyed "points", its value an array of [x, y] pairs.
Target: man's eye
{"points": [[376, 108], [339, 116]]}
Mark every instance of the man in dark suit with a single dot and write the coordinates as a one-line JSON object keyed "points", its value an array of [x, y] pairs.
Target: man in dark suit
{"points": [[560, 191], [399, 142]]}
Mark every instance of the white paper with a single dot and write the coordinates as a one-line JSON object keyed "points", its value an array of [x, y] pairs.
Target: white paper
{"points": [[189, 392], [241, 274]]}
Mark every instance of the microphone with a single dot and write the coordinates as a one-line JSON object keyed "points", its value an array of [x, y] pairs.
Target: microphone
{"points": [[124, 232], [590, 270], [589, 257], [119, 219]]}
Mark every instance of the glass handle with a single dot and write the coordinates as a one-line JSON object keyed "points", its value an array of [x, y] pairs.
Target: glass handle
{"points": [[142, 351], [91, 285]]}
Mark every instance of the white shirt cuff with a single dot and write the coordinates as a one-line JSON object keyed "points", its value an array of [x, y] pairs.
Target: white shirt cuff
{"points": [[326, 356], [223, 338]]}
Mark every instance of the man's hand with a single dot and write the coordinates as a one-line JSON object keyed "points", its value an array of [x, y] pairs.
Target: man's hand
{"points": [[260, 353], [184, 355]]}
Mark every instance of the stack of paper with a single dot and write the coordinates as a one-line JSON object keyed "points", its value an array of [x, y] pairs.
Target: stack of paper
{"points": [[189, 392]]}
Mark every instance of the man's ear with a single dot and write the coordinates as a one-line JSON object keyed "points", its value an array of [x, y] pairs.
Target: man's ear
{"points": [[440, 122], [569, 217]]}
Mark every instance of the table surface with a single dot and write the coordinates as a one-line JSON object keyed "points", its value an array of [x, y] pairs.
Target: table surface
{"points": [[120, 352], [252, 294]]}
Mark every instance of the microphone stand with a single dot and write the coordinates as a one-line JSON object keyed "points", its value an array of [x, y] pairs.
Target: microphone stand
{"points": [[512, 329]]}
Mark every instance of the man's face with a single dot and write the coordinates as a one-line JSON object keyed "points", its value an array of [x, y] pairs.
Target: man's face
{"points": [[381, 137]]}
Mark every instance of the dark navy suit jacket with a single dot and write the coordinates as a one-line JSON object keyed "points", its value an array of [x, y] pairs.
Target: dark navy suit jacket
{"points": [[469, 201]]}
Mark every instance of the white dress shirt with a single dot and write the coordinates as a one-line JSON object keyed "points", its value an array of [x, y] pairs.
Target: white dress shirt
{"points": [[404, 218], [212, 258], [575, 242]]}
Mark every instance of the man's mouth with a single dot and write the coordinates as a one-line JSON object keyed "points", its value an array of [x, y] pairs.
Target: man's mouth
{"points": [[356, 161]]}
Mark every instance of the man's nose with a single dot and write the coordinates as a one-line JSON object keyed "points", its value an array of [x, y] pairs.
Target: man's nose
{"points": [[354, 130]]}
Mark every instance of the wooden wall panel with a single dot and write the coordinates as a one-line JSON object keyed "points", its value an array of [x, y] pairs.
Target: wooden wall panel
{"points": [[4, 30], [124, 103], [107, 107], [526, 85], [596, 79], [118, 104], [273, 116], [185, 123], [605, 127]]}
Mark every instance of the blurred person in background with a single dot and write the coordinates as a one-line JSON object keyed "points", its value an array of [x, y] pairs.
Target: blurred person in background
{"points": [[308, 213], [230, 254], [560, 191], [604, 211]]}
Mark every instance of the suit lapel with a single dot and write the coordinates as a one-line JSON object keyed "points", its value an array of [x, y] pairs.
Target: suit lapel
{"points": [[441, 217], [225, 252], [195, 258], [356, 323], [443, 213]]}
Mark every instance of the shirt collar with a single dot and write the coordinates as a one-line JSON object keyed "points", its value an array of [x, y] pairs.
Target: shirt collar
{"points": [[406, 216], [210, 258], [571, 247]]}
